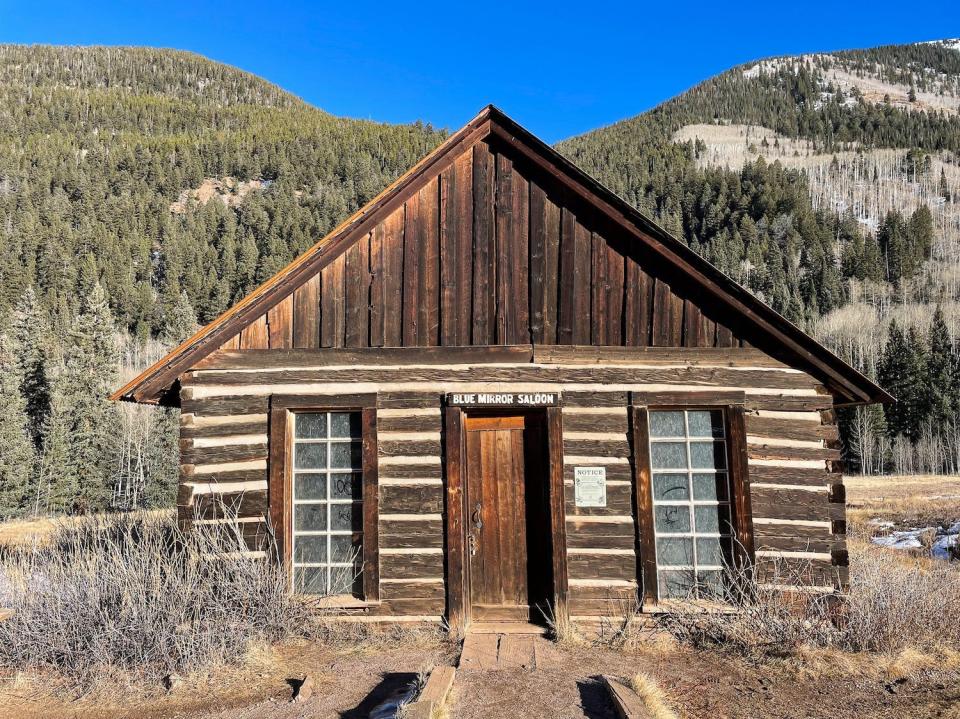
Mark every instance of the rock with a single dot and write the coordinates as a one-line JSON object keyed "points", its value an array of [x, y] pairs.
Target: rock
{"points": [[304, 690], [172, 681]]}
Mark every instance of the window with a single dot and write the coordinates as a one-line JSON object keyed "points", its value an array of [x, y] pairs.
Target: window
{"points": [[327, 512], [691, 501]]}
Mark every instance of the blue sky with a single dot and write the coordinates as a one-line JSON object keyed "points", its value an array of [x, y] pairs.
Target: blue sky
{"points": [[558, 68]]}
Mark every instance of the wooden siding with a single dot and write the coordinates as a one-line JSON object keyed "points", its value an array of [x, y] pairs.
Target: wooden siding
{"points": [[796, 494], [491, 251]]}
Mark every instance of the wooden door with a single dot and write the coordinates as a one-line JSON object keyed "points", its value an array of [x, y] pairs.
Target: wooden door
{"points": [[496, 518]]}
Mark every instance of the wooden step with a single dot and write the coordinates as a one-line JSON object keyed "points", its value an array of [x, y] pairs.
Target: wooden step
{"points": [[507, 628]]}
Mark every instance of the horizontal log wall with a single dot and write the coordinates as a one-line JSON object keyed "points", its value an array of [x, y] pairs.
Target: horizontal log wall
{"points": [[797, 500]]}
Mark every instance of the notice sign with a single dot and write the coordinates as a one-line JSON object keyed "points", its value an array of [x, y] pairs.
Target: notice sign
{"points": [[503, 399], [590, 486]]}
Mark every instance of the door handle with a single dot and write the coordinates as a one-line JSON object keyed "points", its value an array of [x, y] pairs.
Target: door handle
{"points": [[477, 521]]}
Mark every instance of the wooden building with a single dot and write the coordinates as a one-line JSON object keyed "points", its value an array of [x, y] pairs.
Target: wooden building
{"points": [[499, 390]]}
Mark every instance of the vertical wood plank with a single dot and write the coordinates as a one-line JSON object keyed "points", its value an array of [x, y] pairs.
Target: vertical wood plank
{"points": [[232, 344], [598, 290], [306, 314], [676, 320], [371, 507], [463, 220], [537, 241], [691, 324], [643, 503], [332, 318], [582, 318], [449, 257], [411, 272], [457, 605], [631, 309], [568, 261], [505, 243], [280, 324], [520, 294], [255, 336], [377, 297], [393, 278], [615, 298], [646, 308], [725, 336], [278, 492], [740, 479], [558, 522], [708, 331], [551, 270], [661, 314], [357, 293], [428, 231], [484, 278]]}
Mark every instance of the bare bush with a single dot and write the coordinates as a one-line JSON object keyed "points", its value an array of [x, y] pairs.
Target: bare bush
{"points": [[136, 593], [892, 605]]}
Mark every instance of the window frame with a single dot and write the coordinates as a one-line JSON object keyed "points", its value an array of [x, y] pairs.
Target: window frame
{"points": [[737, 473], [280, 492]]}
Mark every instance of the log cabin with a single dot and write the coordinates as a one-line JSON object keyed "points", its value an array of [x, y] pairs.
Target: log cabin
{"points": [[499, 392]]}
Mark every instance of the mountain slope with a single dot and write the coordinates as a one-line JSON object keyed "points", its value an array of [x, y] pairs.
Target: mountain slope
{"points": [[97, 143]]}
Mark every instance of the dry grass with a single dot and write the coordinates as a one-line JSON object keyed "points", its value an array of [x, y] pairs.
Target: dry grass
{"points": [[653, 697], [906, 500], [895, 608], [134, 594]]}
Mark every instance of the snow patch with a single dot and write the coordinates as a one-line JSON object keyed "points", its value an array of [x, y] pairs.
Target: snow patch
{"points": [[943, 539]]}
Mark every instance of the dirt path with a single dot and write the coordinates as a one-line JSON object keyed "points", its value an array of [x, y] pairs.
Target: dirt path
{"points": [[350, 680]]}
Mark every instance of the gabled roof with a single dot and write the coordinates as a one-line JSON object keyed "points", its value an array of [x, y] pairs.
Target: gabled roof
{"points": [[793, 346]]}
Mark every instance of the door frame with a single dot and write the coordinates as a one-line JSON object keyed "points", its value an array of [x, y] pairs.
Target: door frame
{"points": [[457, 562]]}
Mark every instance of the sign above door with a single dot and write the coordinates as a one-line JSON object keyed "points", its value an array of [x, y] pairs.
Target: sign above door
{"points": [[503, 399]]}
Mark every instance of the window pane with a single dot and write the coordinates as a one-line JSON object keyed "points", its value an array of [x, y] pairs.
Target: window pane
{"points": [[710, 551], [310, 580], [672, 519], [668, 455], [309, 549], [345, 424], [310, 486], [710, 583], [310, 456], [346, 517], [344, 548], [346, 455], [345, 486], [666, 424], [712, 519], [676, 584], [310, 518], [310, 425], [674, 551], [710, 486], [705, 423], [670, 487], [707, 455], [344, 580]]}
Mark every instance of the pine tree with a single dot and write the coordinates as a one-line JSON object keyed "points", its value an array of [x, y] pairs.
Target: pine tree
{"points": [[161, 470], [941, 372], [91, 422], [30, 335], [902, 372], [16, 448]]}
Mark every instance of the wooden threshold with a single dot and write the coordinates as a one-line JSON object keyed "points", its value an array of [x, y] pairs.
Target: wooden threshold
{"points": [[507, 628]]}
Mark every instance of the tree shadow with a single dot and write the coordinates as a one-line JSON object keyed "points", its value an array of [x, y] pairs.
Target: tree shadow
{"points": [[393, 687], [595, 699]]}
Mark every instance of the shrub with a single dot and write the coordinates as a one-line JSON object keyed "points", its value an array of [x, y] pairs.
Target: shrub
{"points": [[892, 605], [136, 593]]}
